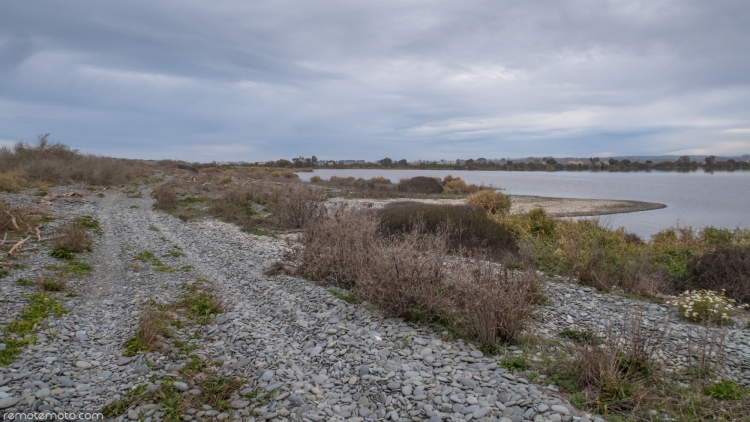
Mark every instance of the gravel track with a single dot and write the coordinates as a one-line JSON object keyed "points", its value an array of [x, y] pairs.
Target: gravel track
{"points": [[328, 360]]}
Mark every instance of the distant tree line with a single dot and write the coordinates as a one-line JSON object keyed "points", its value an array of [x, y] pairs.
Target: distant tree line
{"points": [[682, 163]]}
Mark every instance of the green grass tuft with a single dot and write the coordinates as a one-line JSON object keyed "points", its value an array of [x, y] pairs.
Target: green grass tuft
{"points": [[517, 363], [88, 222], [346, 298], [726, 390]]}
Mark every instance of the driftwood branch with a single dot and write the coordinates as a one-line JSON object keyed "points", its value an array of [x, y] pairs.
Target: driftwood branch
{"points": [[17, 245], [4, 239], [52, 238]]}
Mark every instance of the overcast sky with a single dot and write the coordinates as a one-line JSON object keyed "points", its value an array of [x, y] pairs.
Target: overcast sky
{"points": [[254, 80]]}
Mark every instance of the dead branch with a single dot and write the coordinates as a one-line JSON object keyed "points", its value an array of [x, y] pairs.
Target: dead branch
{"points": [[51, 238], [17, 245], [4, 239], [38, 235]]}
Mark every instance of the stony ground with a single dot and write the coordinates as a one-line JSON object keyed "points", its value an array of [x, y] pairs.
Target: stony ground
{"points": [[325, 359]]}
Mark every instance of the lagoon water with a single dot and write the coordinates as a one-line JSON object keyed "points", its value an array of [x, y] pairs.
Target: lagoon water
{"points": [[694, 199]]}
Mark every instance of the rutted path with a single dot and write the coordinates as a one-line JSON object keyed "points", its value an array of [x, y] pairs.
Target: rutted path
{"points": [[328, 360]]}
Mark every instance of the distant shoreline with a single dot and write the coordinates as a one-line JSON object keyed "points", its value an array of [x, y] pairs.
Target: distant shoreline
{"points": [[577, 207], [555, 207]]}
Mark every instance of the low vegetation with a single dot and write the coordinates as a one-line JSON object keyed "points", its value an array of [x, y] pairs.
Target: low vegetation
{"points": [[465, 227], [52, 162], [380, 187], [705, 306], [672, 261], [19, 332], [72, 239], [149, 334], [408, 275], [197, 305]]}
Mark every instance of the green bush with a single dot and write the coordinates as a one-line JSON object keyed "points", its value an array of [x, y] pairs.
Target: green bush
{"points": [[467, 227]]}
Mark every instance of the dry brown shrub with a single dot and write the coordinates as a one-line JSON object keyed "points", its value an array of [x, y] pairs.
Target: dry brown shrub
{"points": [[73, 238], [401, 276], [166, 197], [336, 243], [412, 276], [496, 302], [295, 204]]}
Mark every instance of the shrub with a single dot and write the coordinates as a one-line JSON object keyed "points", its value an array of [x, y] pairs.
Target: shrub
{"points": [[496, 303], [704, 306], [410, 276], [420, 184], [295, 204], [166, 197], [466, 227], [493, 202], [460, 187], [74, 239], [336, 243], [316, 179], [535, 224], [713, 236], [726, 268], [8, 183]]}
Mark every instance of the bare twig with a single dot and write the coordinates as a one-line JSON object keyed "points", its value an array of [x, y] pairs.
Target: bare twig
{"points": [[4, 239], [17, 245]]}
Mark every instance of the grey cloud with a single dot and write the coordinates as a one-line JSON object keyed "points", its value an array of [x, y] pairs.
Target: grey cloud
{"points": [[342, 79]]}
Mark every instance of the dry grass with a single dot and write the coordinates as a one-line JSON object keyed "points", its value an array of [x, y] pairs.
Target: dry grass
{"points": [[618, 374], [74, 239], [46, 161], [149, 334], [166, 197]]}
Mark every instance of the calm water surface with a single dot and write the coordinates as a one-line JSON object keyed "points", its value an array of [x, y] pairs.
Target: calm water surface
{"points": [[692, 199]]}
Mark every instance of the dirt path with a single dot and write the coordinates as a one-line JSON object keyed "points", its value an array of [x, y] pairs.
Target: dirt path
{"points": [[319, 357]]}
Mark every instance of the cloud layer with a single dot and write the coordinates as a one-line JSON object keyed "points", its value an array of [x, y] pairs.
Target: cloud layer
{"points": [[236, 80]]}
